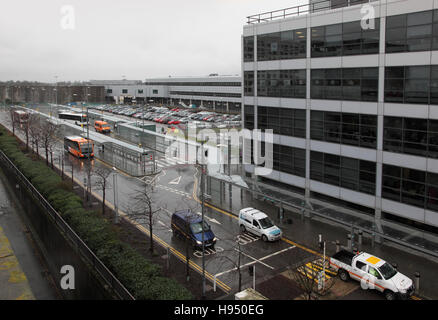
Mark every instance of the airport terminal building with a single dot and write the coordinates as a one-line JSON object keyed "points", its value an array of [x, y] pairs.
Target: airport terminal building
{"points": [[354, 109], [213, 92]]}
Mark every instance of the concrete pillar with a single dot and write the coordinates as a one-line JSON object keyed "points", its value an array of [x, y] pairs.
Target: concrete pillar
{"points": [[417, 282], [349, 241]]}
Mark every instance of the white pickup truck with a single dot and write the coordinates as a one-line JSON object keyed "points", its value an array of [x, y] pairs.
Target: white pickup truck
{"points": [[373, 273]]}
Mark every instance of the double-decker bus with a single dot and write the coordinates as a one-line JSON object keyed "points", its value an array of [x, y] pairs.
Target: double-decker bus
{"points": [[79, 146], [79, 119]]}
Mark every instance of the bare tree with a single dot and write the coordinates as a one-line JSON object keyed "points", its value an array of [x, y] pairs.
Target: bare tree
{"points": [[48, 137], [89, 171], [102, 183], [13, 119], [306, 273], [24, 128], [35, 129], [143, 210]]}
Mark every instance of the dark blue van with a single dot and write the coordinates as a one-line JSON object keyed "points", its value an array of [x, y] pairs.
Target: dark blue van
{"points": [[189, 225]]}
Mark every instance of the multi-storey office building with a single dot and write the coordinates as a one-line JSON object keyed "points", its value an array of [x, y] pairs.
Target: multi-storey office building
{"points": [[354, 107]]}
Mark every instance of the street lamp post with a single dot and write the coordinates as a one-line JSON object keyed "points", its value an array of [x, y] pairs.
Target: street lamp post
{"points": [[116, 209]]}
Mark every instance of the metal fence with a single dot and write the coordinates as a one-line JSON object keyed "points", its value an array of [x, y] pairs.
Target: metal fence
{"points": [[314, 6], [74, 239]]}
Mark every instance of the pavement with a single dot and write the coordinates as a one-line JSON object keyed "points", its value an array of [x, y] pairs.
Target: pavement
{"points": [[23, 275]]}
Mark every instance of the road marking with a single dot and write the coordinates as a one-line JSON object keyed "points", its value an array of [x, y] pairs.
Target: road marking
{"points": [[176, 181], [208, 218], [256, 260]]}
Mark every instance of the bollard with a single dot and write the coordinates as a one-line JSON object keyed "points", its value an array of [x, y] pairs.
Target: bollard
{"points": [[337, 246], [417, 282], [349, 241]]}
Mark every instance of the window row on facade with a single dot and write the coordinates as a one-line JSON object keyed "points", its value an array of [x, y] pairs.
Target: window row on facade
{"points": [[195, 84], [344, 172], [409, 186], [206, 94], [282, 83], [405, 84], [416, 31], [285, 159], [344, 39], [412, 84], [283, 121], [411, 136], [357, 84], [345, 128]]}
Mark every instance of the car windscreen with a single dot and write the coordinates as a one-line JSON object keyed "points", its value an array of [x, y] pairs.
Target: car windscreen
{"points": [[197, 227], [387, 271], [266, 223]]}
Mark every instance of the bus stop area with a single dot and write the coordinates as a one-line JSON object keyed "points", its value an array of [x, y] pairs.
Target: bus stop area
{"points": [[126, 157]]}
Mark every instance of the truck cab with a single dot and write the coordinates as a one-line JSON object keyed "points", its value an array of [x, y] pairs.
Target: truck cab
{"points": [[102, 127], [373, 273], [258, 223]]}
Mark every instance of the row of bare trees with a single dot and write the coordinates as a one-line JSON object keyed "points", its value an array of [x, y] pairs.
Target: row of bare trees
{"points": [[38, 132]]}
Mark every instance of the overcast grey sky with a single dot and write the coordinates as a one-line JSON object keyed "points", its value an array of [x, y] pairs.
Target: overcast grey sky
{"points": [[134, 38]]}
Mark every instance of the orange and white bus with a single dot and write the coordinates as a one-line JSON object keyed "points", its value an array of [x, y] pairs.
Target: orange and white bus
{"points": [[79, 146]]}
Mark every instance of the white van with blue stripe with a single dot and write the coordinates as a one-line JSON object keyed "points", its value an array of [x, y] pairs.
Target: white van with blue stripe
{"points": [[258, 223]]}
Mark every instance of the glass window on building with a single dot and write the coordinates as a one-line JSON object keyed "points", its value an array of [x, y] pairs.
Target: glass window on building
{"points": [[411, 136], [356, 84], [409, 186], [249, 117], [345, 39], [248, 83], [411, 84], [281, 83], [349, 173], [283, 121], [248, 49], [290, 44], [124, 91], [410, 32]]}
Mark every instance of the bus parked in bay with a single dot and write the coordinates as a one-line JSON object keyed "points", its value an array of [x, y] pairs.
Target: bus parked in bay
{"points": [[79, 146], [79, 119]]}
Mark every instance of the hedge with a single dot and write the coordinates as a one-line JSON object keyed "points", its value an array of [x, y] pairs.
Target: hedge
{"points": [[141, 277]]}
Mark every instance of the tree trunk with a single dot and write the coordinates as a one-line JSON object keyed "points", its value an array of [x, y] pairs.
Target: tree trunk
{"points": [[150, 230], [47, 156], [103, 200]]}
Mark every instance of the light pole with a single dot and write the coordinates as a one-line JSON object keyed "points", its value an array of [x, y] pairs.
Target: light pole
{"points": [[116, 209], [202, 214]]}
